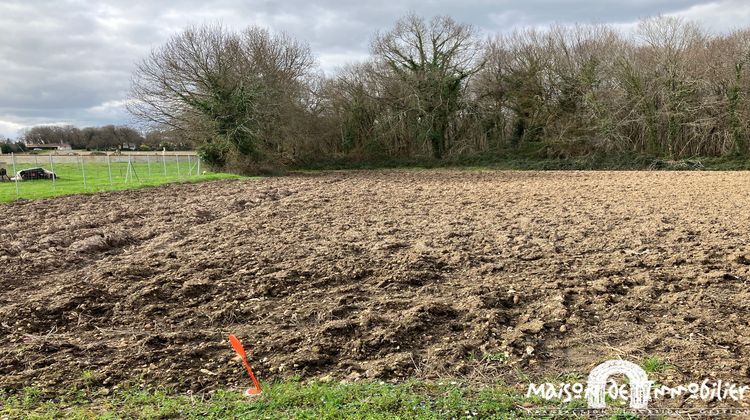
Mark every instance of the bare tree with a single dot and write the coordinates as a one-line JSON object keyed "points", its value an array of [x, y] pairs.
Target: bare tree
{"points": [[231, 92], [432, 87], [431, 62], [53, 134]]}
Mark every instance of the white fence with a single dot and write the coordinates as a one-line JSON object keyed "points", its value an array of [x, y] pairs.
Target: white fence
{"points": [[92, 172]]}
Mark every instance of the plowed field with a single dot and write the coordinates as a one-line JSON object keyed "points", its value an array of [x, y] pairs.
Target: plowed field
{"points": [[379, 274]]}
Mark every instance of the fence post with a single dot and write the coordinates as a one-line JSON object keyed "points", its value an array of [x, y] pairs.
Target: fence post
{"points": [[83, 172], [52, 168], [148, 163], [109, 169], [190, 166], [15, 173], [164, 160], [179, 175], [199, 165]]}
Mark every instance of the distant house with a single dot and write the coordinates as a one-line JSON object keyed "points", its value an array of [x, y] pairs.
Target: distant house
{"points": [[49, 146]]}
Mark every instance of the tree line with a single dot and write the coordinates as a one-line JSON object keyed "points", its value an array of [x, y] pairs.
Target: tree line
{"points": [[108, 137], [436, 89]]}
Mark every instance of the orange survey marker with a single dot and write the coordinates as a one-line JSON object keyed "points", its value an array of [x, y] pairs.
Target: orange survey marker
{"points": [[241, 352]]}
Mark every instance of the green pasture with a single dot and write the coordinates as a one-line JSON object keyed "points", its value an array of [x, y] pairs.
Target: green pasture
{"points": [[92, 177]]}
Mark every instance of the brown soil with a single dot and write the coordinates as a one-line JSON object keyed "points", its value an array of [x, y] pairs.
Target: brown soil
{"points": [[381, 274]]}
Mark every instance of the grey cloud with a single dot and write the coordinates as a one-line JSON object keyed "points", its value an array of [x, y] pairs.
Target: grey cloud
{"points": [[70, 61]]}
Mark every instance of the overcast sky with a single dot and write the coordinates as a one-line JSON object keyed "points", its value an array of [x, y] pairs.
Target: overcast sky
{"points": [[70, 61]]}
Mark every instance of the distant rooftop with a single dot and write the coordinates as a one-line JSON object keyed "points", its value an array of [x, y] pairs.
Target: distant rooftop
{"points": [[48, 146]]}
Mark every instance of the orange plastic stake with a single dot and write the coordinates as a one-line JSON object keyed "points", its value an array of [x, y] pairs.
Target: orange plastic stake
{"points": [[237, 345]]}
